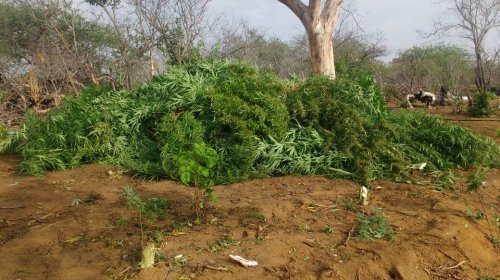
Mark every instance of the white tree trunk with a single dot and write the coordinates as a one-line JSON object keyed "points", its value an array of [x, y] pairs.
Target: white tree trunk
{"points": [[322, 59], [319, 24]]}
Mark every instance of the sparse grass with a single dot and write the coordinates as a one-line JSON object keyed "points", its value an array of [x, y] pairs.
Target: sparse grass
{"points": [[475, 215], [255, 215], [223, 244], [445, 181], [152, 207], [328, 229], [488, 278], [91, 199], [122, 221], [175, 225], [178, 263], [350, 205], [416, 194], [306, 228], [374, 226]]}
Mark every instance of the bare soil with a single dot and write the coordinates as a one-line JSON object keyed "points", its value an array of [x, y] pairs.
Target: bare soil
{"points": [[44, 236]]}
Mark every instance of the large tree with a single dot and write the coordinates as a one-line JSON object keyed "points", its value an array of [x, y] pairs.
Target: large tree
{"points": [[319, 20], [473, 20]]}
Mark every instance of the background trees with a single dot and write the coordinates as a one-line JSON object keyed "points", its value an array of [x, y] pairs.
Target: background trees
{"points": [[48, 49], [473, 21], [51, 48], [431, 67]]}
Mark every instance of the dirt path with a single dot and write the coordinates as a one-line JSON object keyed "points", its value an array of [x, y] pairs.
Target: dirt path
{"points": [[296, 227]]}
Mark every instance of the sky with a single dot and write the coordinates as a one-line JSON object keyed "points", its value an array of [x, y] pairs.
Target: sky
{"points": [[399, 21]]}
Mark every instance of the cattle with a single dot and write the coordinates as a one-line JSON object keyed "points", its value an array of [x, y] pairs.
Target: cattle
{"points": [[422, 96]]}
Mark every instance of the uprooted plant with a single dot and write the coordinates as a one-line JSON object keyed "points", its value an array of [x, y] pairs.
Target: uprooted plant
{"points": [[257, 124]]}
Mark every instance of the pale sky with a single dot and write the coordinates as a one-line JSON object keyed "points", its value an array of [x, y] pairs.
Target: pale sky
{"points": [[398, 20]]}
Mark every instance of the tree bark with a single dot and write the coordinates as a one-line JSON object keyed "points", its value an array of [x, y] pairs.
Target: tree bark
{"points": [[322, 58], [319, 24]]}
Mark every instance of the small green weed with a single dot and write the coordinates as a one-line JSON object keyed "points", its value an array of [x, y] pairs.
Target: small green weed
{"points": [[152, 207], [475, 181], [488, 277], [180, 225], [416, 194], [158, 236], [91, 199], [328, 229], [197, 167], [306, 228], [178, 263], [374, 226], [255, 215], [223, 244], [350, 205], [475, 215], [122, 221], [445, 181]]}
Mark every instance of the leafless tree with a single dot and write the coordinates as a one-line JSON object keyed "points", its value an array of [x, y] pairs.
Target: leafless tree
{"points": [[473, 20], [122, 30], [181, 25]]}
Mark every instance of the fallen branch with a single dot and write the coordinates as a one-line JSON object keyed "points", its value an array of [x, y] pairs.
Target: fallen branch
{"points": [[455, 266], [14, 207], [217, 268], [349, 234]]}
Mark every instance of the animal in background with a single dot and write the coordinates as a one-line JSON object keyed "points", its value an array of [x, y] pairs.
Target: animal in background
{"points": [[422, 96]]}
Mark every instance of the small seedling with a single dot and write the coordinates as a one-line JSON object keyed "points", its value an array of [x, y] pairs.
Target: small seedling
{"points": [[152, 207], [477, 215], [374, 226], [196, 168], [158, 236], [178, 262], [180, 225], [328, 229], [223, 244], [476, 180], [305, 228], [122, 221], [489, 278], [92, 198], [350, 205], [445, 181], [255, 215]]}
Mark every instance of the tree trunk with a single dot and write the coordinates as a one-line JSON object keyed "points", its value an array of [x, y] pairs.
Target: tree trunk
{"points": [[322, 59], [319, 24], [480, 80], [151, 62]]}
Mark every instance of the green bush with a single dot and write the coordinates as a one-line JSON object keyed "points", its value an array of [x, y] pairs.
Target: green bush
{"points": [[374, 226], [480, 105]]}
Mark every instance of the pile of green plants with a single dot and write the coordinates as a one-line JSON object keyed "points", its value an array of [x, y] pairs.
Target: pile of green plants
{"points": [[251, 123]]}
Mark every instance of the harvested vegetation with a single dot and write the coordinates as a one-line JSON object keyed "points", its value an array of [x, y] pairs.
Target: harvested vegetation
{"points": [[257, 124]]}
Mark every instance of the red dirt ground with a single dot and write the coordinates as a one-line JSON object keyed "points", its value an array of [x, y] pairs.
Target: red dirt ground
{"points": [[42, 236]]}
